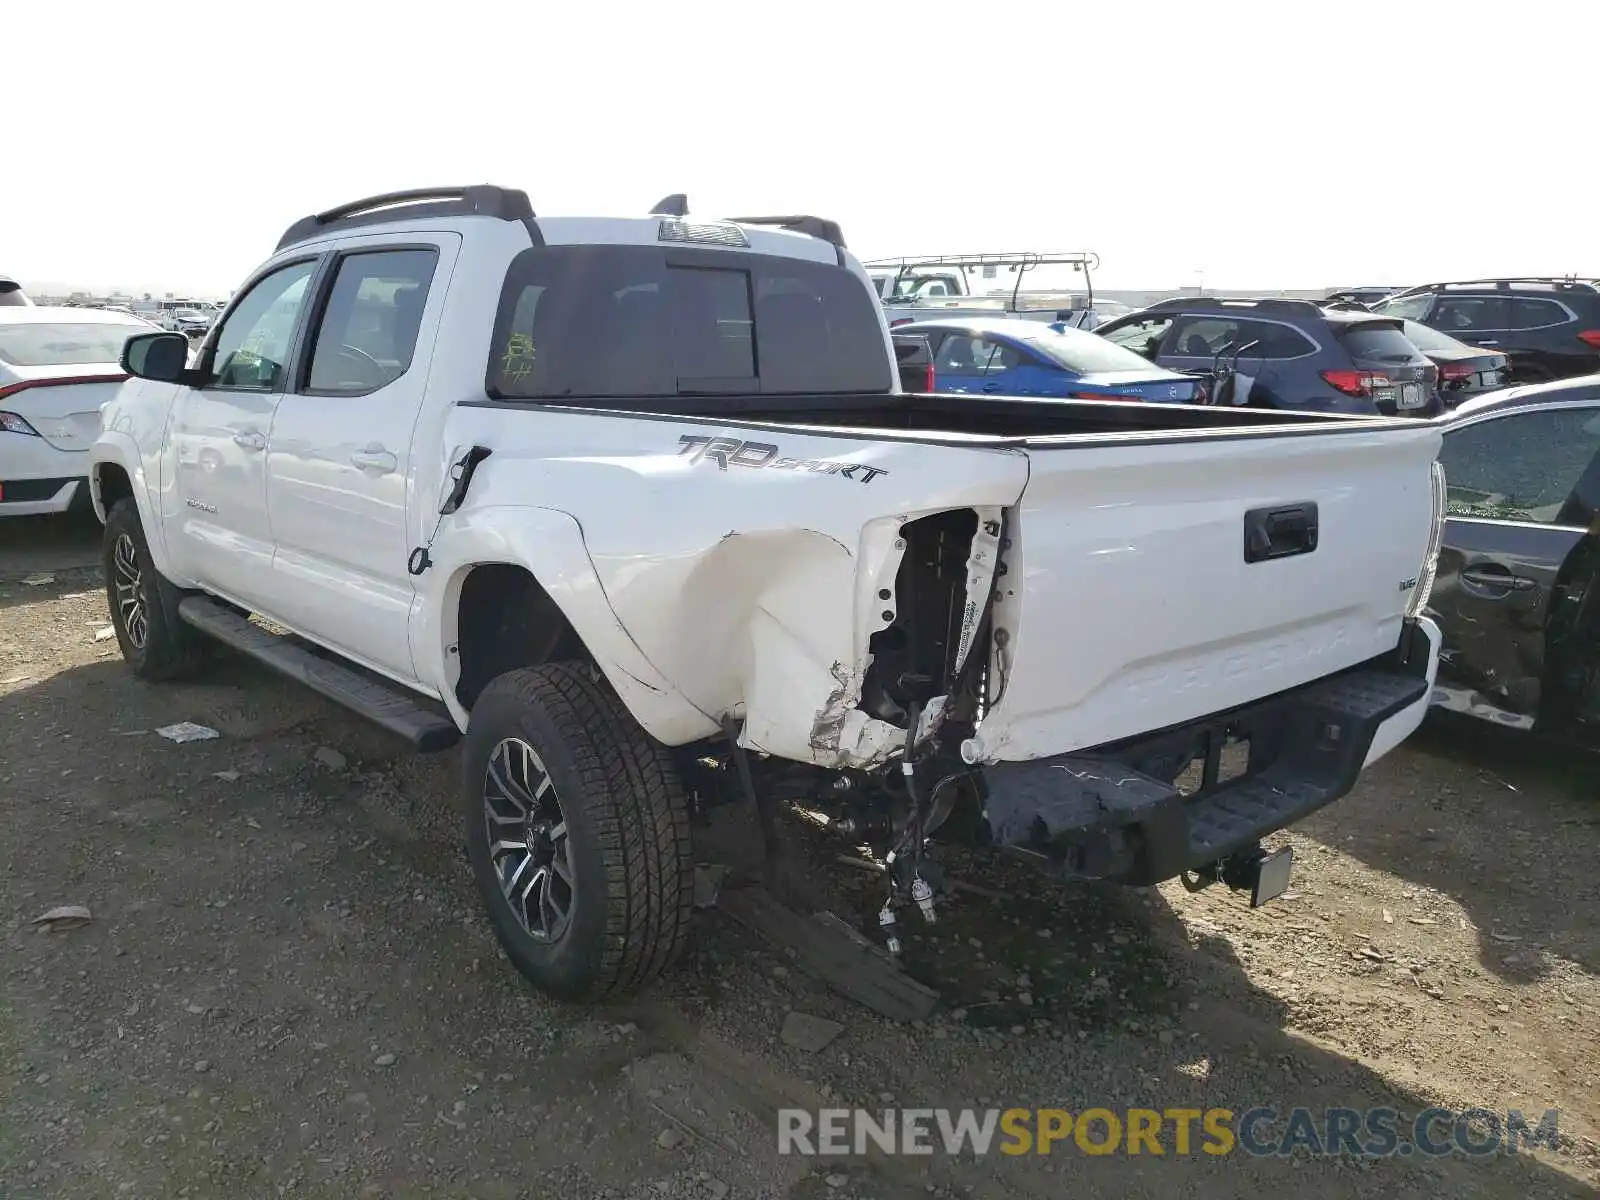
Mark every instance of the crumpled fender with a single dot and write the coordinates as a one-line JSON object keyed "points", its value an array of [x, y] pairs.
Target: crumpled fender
{"points": [[548, 543]]}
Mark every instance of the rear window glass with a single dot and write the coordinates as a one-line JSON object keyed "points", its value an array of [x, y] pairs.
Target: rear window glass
{"points": [[64, 344], [1431, 341], [1086, 353], [1382, 342], [643, 321]]}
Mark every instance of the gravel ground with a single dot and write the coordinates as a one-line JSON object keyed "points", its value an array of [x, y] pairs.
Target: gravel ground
{"points": [[287, 988]]}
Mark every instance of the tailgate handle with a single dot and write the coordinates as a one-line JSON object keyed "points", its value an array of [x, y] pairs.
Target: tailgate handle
{"points": [[1280, 532]]}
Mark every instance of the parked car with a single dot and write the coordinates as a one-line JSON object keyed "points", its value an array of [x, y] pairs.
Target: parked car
{"points": [[1549, 327], [57, 367], [564, 512], [1518, 588], [1297, 354], [1465, 372], [11, 294], [1009, 356]]}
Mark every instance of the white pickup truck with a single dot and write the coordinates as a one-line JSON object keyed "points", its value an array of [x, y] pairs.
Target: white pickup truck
{"points": [[634, 508]]}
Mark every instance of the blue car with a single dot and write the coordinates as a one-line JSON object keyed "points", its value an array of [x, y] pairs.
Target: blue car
{"points": [[1011, 356]]}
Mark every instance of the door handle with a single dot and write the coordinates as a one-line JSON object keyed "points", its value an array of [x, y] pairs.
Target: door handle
{"points": [[1281, 532], [991, 387], [1498, 578], [250, 440], [375, 459]]}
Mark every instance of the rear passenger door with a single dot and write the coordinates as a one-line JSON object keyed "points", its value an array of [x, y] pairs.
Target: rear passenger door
{"points": [[344, 510], [1522, 501]]}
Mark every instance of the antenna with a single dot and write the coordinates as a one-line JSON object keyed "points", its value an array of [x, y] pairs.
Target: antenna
{"points": [[675, 205]]}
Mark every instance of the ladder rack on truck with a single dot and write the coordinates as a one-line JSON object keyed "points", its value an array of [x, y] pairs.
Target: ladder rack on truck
{"points": [[1018, 262]]}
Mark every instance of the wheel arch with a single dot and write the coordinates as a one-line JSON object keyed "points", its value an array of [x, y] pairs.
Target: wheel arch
{"points": [[117, 473], [515, 583]]}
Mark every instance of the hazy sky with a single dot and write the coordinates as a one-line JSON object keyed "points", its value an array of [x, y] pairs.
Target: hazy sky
{"points": [[1265, 144]]}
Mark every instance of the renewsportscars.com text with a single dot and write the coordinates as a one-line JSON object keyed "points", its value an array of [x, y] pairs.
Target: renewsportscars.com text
{"points": [[1257, 1132]]}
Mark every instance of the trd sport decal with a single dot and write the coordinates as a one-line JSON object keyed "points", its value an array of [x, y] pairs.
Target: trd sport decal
{"points": [[726, 452]]}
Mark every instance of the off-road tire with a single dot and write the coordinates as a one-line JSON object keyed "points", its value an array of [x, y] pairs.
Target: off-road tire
{"points": [[170, 649], [627, 818]]}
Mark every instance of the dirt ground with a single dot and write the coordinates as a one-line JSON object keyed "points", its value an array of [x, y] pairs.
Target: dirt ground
{"points": [[287, 987]]}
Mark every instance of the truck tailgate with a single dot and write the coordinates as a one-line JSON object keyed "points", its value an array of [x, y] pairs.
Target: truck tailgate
{"points": [[1130, 601]]}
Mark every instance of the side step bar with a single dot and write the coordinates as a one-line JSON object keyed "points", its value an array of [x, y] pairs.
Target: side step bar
{"points": [[379, 701]]}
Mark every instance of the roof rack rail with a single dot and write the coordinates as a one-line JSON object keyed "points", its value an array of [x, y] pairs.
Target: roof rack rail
{"points": [[675, 205], [1281, 304], [1505, 282], [479, 200]]}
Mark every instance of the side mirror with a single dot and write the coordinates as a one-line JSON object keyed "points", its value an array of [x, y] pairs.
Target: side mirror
{"points": [[162, 357]]}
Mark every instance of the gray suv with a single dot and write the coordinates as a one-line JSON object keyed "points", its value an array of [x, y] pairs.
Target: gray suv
{"points": [[1297, 354]]}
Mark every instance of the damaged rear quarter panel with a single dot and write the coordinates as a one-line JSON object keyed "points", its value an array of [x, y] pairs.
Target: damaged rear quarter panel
{"points": [[755, 591]]}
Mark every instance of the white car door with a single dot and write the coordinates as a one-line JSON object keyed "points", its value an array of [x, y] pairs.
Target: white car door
{"points": [[340, 467], [219, 439]]}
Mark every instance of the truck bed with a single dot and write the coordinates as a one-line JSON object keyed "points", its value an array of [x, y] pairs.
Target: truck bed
{"points": [[957, 419]]}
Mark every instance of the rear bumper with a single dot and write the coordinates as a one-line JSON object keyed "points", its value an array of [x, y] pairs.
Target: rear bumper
{"points": [[1114, 813], [36, 479]]}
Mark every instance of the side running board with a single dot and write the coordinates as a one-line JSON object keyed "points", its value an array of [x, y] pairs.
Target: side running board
{"points": [[378, 700]]}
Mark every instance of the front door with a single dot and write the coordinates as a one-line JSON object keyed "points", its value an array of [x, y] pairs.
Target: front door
{"points": [[219, 437], [1522, 487], [339, 469]]}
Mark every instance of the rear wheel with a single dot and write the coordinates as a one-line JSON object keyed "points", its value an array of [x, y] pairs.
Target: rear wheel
{"points": [[144, 604], [578, 833]]}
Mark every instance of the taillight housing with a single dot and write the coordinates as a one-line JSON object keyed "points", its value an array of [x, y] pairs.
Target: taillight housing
{"points": [[1423, 592], [12, 423], [1358, 383], [1590, 337], [927, 378]]}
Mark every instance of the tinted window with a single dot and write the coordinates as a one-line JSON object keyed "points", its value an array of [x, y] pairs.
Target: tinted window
{"points": [[965, 354], [1431, 341], [1409, 308], [1086, 353], [1520, 467], [1528, 313], [369, 325], [622, 321], [253, 343], [67, 343], [1206, 337], [1376, 343], [1457, 313], [1142, 336]]}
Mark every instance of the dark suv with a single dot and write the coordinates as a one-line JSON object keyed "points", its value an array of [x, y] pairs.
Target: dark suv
{"points": [[1549, 327], [1297, 354]]}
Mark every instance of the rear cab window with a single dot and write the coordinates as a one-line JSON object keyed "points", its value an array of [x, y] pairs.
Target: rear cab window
{"points": [[624, 321]]}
